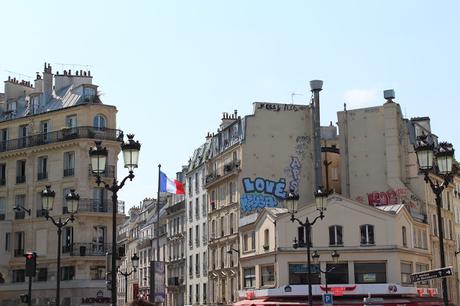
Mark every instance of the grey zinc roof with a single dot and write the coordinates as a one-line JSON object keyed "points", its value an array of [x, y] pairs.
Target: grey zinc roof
{"points": [[391, 208]]}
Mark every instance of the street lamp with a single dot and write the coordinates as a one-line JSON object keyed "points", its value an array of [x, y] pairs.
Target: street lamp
{"points": [[443, 154], [98, 156], [72, 199], [292, 201], [238, 278], [335, 258], [135, 263]]}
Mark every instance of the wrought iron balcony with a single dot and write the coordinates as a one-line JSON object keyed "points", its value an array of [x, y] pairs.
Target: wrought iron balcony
{"points": [[18, 215], [175, 281], [109, 171], [18, 252], [86, 249], [42, 175], [96, 205], [69, 172], [20, 179], [61, 135]]}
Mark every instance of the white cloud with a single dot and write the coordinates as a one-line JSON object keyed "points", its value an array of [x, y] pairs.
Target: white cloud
{"points": [[358, 98]]}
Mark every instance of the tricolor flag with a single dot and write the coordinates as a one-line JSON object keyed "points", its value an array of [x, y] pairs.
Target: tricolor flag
{"points": [[171, 186]]}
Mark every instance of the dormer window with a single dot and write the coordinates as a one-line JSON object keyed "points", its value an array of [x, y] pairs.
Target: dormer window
{"points": [[88, 94], [12, 106], [35, 104]]}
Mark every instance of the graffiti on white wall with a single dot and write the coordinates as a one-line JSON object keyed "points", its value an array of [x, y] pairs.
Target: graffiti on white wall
{"points": [[295, 164], [260, 193]]}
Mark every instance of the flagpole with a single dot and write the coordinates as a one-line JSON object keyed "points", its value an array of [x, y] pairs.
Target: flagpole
{"points": [[152, 263]]}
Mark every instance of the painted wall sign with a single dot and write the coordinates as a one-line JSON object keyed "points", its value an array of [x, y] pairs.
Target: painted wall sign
{"points": [[261, 192]]}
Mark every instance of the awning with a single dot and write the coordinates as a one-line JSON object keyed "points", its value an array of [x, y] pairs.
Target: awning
{"points": [[339, 302]]}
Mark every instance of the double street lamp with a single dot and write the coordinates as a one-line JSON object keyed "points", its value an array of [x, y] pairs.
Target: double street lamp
{"points": [[135, 263], [292, 201], [437, 160], [71, 199], [98, 155], [335, 258]]}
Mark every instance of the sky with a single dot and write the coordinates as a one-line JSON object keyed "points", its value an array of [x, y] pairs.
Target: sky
{"points": [[172, 67]]}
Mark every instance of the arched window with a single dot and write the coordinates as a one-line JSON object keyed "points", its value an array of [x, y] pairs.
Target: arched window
{"points": [[335, 235], [99, 122], [404, 236], [367, 234], [266, 238]]}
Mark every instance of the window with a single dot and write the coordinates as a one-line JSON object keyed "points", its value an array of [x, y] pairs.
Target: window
{"points": [[266, 238], [204, 294], [190, 294], [231, 188], [22, 139], [197, 182], [370, 273], [222, 257], [203, 204], [35, 104], [71, 122], [11, 106], [419, 267], [67, 239], [450, 230], [205, 238], [249, 277], [45, 129], [335, 235], [367, 234], [2, 174], [97, 272], [2, 208], [7, 242], [197, 264], [197, 208], [205, 263], [19, 276], [20, 200], [222, 227], [41, 275], [197, 293], [268, 275], [302, 237], [89, 93], [435, 225], [99, 240], [338, 273], [20, 171], [253, 240], [190, 237], [98, 203], [189, 183], [404, 236], [406, 271], [42, 168], [245, 242], [190, 211], [99, 122], [18, 244], [67, 273], [298, 274], [69, 163], [197, 235], [3, 139]]}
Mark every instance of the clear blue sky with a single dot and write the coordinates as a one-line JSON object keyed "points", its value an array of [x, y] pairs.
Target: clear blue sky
{"points": [[172, 68]]}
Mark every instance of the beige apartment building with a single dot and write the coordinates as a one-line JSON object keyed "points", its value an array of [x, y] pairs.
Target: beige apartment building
{"points": [[46, 131], [254, 161]]}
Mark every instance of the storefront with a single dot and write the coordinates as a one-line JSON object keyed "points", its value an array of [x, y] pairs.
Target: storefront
{"points": [[343, 295]]}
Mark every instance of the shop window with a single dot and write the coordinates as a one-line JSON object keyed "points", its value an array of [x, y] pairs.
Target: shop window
{"points": [[298, 274], [338, 273], [249, 277], [268, 275], [370, 273]]}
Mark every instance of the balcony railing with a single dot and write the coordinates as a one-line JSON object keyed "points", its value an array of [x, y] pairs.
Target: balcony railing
{"points": [[175, 281], [87, 249], [20, 179], [95, 205], [18, 252], [41, 213], [222, 171], [42, 175], [109, 171], [2, 181], [18, 215], [69, 172], [62, 135], [2, 216]]}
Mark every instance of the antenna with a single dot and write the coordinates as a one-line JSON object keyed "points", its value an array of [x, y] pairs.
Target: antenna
{"points": [[64, 66], [292, 96], [18, 75]]}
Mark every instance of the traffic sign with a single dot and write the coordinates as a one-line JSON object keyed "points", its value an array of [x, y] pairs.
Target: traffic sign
{"points": [[327, 299], [430, 274]]}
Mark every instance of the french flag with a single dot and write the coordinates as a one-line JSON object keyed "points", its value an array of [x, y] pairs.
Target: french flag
{"points": [[171, 186]]}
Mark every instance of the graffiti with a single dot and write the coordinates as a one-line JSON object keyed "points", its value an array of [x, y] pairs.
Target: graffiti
{"points": [[391, 197], [295, 172], [260, 193], [275, 107]]}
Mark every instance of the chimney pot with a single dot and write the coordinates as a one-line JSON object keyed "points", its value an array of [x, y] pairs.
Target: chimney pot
{"points": [[70, 72]]}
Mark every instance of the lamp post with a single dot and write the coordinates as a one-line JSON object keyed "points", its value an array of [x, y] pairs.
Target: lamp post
{"points": [[72, 199], [292, 199], [443, 154], [230, 252], [98, 156], [135, 263], [335, 258]]}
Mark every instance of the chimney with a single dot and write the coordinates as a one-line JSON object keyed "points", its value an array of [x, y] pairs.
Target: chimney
{"points": [[47, 86], [38, 83]]}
